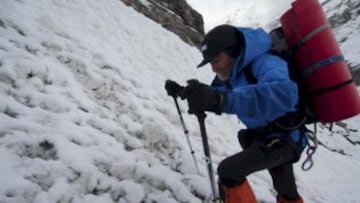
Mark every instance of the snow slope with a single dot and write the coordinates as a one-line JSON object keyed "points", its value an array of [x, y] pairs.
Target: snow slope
{"points": [[84, 116]]}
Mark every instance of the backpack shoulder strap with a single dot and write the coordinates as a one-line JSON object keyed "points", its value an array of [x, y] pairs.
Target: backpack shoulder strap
{"points": [[249, 74], [248, 69]]}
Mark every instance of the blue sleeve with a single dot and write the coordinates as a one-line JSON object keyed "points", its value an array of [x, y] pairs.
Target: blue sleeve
{"points": [[273, 96]]}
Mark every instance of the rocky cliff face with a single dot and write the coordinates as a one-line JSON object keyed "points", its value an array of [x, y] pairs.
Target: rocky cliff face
{"points": [[176, 16]]}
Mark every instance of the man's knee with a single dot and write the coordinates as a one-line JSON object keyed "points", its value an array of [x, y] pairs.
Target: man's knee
{"points": [[230, 174], [224, 169]]}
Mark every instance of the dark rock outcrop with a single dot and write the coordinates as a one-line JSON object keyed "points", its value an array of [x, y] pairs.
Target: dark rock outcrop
{"points": [[176, 16]]}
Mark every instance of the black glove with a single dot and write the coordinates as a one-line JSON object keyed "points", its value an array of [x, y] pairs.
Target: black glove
{"points": [[202, 97], [172, 88]]}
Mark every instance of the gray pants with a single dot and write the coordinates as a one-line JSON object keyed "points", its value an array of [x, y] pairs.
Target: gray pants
{"points": [[275, 155]]}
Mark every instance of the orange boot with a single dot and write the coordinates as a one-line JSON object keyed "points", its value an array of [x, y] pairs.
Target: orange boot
{"points": [[239, 194], [280, 199]]}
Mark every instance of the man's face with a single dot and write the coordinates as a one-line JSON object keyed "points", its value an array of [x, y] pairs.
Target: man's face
{"points": [[222, 65]]}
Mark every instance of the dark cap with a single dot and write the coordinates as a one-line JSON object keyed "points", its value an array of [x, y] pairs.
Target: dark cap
{"points": [[217, 40]]}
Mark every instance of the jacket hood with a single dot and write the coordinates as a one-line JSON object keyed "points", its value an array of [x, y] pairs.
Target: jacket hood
{"points": [[257, 42]]}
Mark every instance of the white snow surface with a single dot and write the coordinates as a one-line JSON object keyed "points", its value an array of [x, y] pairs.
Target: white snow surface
{"points": [[84, 116]]}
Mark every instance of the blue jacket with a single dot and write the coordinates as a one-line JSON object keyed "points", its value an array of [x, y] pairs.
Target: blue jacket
{"points": [[274, 95]]}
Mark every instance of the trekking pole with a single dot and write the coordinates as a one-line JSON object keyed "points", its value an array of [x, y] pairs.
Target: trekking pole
{"points": [[201, 118], [186, 132]]}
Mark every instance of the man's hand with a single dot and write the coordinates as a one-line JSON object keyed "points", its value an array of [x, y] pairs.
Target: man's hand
{"points": [[173, 88], [202, 97]]}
